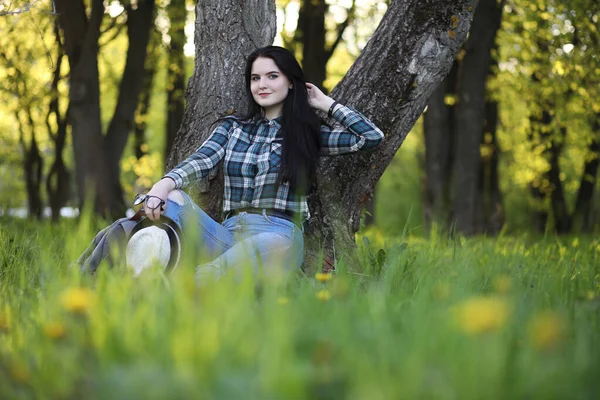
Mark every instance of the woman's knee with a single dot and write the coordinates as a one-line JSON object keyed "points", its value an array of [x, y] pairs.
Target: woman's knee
{"points": [[176, 196]]}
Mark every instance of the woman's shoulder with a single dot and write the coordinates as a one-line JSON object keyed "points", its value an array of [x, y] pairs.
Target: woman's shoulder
{"points": [[237, 120]]}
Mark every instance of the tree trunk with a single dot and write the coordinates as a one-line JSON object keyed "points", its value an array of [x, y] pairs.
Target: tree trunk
{"points": [[227, 31], [57, 181], [311, 24], [582, 220], [413, 48], [175, 71], [139, 22], [539, 123], [141, 119], [312, 33], [32, 165], [81, 45], [562, 222], [438, 127], [470, 113], [493, 207], [408, 56]]}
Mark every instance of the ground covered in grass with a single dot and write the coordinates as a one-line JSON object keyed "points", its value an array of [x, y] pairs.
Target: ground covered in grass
{"points": [[484, 318]]}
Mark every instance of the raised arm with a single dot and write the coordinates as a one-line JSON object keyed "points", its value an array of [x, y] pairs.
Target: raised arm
{"points": [[355, 133]]}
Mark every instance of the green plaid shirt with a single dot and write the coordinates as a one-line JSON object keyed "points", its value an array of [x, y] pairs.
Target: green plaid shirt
{"points": [[252, 156]]}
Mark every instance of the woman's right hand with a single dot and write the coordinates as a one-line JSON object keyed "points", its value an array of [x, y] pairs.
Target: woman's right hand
{"points": [[157, 195]]}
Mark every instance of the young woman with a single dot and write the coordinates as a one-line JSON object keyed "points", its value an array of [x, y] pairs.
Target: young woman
{"points": [[270, 159]]}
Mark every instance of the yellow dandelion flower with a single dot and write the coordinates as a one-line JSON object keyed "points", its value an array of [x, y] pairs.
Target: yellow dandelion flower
{"points": [[5, 320], [546, 330], [54, 330], [323, 276], [282, 300], [481, 314], [323, 295], [502, 284], [77, 300]]}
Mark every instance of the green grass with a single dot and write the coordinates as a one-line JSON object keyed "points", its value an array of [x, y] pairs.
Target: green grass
{"points": [[505, 318]]}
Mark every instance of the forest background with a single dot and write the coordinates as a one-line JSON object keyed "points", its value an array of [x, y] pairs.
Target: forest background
{"points": [[536, 148]]}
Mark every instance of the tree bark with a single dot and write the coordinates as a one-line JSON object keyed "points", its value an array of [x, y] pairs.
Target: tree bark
{"points": [[227, 31], [81, 45], [139, 22], [175, 72], [391, 81], [470, 113]]}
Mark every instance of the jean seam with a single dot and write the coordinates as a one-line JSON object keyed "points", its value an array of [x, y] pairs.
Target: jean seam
{"points": [[278, 223], [216, 239]]}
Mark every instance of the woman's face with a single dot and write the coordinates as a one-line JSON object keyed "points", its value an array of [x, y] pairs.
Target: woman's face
{"points": [[269, 86]]}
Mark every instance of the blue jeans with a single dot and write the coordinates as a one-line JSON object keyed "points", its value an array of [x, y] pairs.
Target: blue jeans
{"points": [[260, 241]]}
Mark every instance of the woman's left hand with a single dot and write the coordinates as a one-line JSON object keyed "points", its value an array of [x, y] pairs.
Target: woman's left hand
{"points": [[317, 99]]}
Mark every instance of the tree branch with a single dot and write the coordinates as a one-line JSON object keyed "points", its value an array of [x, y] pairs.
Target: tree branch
{"points": [[25, 8]]}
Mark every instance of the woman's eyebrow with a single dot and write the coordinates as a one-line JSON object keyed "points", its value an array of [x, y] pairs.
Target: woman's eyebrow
{"points": [[266, 73]]}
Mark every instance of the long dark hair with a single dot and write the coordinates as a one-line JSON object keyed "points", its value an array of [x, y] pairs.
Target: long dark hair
{"points": [[299, 123]]}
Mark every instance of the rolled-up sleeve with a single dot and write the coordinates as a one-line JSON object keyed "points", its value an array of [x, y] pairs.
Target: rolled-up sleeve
{"points": [[356, 133], [204, 159]]}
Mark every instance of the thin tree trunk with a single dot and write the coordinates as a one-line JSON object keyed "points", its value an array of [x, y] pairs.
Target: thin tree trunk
{"points": [[582, 220], [494, 209], [81, 45], [32, 164], [312, 33], [470, 113], [562, 222], [539, 124], [139, 22], [311, 24], [438, 127], [141, 119], [57, 181], [175, 71]]}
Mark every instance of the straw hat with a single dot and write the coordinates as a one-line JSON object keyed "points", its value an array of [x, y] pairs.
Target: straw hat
{"points": [[153, 243]]}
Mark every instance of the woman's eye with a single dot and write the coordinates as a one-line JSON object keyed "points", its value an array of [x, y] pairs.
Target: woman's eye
{"points": [[273, 76], [254, 78]]}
